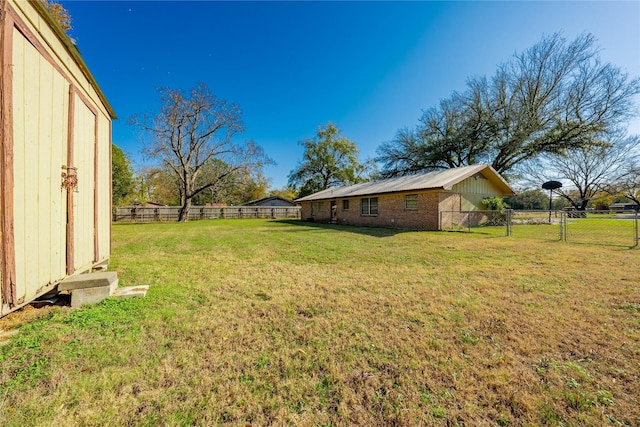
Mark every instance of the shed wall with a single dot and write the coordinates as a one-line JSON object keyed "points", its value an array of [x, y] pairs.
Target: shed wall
{"points": [[54, 118]]}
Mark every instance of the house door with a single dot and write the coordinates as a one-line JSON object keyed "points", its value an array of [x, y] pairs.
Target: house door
{"points": [[334, 211]]}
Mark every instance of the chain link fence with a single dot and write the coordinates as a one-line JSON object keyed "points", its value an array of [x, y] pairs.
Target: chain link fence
{"points": [[488, 222], [541, 225], [598, 227], [602, 227]]}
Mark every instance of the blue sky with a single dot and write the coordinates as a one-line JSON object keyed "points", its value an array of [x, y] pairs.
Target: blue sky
{"points": [[369, 67]]}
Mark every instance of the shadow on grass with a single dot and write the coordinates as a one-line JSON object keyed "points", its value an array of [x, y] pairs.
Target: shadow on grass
{"points": [[369, 231], [477, 232]]}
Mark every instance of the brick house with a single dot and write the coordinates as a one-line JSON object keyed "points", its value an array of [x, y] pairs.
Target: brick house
{"points": [[415, 202]]}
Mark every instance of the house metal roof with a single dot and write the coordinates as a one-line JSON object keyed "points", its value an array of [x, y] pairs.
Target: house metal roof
{"points": [[443, 179], [266, 199]]}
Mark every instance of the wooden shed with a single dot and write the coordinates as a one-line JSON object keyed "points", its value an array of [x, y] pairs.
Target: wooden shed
{"points": [[55, 204], [415, 202]]}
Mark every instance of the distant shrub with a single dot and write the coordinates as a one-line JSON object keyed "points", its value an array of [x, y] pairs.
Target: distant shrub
{"points": [[493, 204]]}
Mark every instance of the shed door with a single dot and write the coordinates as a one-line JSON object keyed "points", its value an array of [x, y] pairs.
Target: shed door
{"points": [[82, 158], [40, 124]]}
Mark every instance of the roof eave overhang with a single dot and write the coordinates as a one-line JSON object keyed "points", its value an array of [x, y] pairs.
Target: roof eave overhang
{"points": [[349, 196]]}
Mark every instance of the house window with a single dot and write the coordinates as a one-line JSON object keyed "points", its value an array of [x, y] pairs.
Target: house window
{"points": [[369, 206], [312, 208], [320, 206], [345, 205], [411, 202]]}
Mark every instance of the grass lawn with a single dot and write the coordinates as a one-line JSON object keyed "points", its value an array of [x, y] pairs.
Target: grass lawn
{"points": [[259, 322]]}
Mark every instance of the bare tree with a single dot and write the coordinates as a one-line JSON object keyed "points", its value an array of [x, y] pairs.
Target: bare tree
{"points": [[555, 96], [628, 184], [192, 129], [588, 170]]}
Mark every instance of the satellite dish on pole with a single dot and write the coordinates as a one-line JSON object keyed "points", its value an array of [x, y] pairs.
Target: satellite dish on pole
{"points": [[551, 185]]}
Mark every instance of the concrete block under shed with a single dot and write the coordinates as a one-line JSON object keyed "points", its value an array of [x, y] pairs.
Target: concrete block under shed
{"points": [[89, 288]]}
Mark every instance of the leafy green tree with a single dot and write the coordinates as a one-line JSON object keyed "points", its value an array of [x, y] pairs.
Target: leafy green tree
{"points": [[555, 96], [329, 160], [493, 203], [528, 200], [59, 13], [286, 193], [158, 185], [122, 185]]}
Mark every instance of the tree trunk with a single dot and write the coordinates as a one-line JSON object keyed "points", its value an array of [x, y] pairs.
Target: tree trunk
{"points": [[184, 212], [186, 201], [583, 205]]}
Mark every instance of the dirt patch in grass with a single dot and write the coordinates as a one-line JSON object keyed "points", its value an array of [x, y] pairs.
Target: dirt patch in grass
{"points": [[285, 323], [10, 324]]}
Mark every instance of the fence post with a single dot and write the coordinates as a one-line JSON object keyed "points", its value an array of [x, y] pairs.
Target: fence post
{"points": [[509, 216], [636, 228]]}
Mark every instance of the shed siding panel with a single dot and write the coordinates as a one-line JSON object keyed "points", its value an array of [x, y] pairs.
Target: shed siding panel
{"points": [[40, 158], [20, 111], [83, 200], [58, 158], [104, 189], [39, 149]]}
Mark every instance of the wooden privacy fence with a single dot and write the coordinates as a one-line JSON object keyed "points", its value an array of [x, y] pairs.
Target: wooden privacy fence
{"points": [[171, 213]]}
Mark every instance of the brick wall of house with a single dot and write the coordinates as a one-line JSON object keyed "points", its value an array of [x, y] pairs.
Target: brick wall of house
{"points": [[433, 210], [321, 211], [449, 202], [391, 211]]}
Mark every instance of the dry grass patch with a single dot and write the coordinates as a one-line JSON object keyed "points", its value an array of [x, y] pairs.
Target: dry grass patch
{"points": [[259, 322]]}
